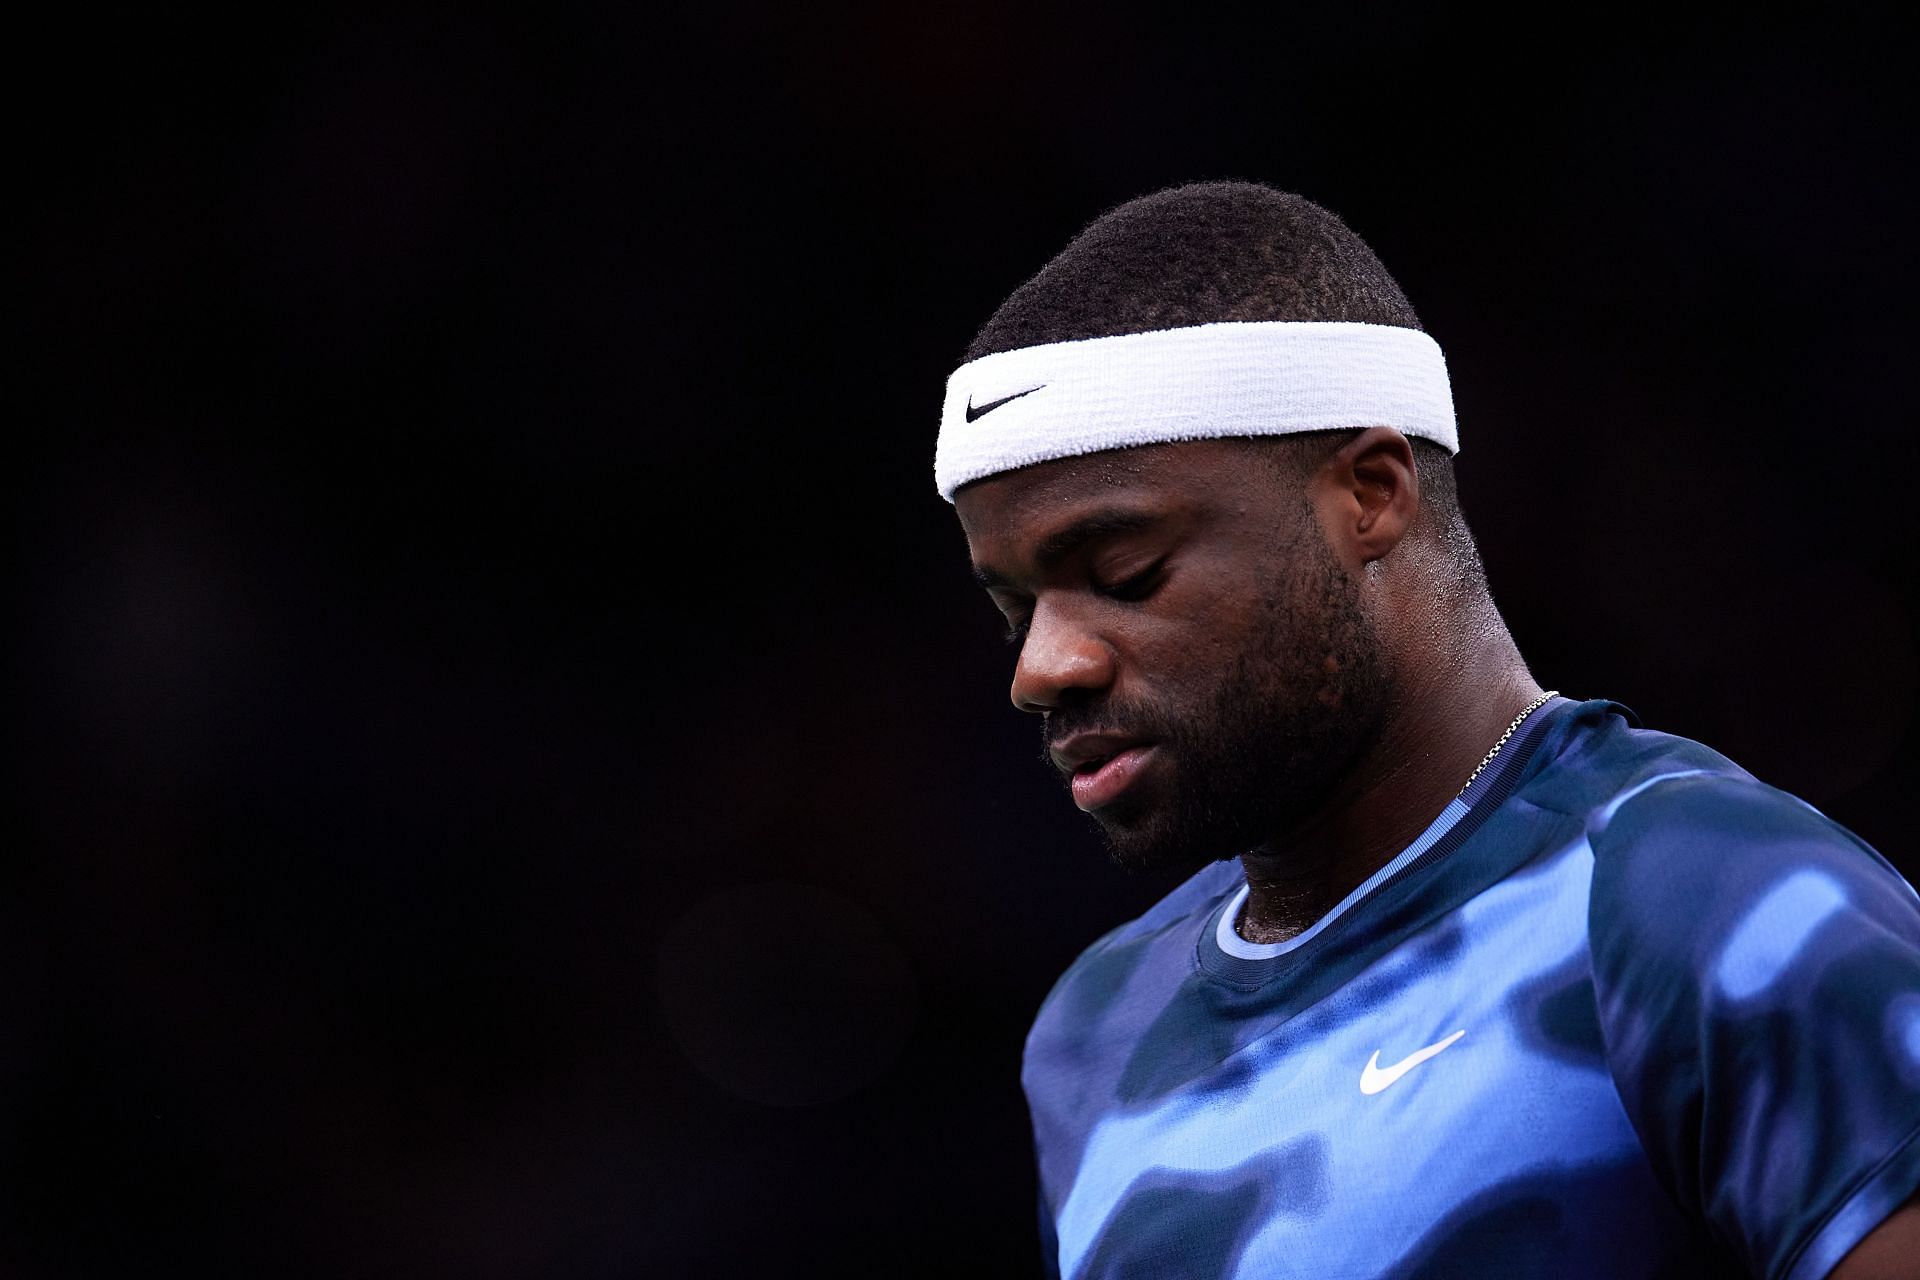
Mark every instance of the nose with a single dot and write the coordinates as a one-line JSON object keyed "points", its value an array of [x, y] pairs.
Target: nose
{"points": [[1060, 659]]}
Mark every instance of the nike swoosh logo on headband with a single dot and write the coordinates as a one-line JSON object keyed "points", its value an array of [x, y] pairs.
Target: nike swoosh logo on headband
{"points": [[991, 405]]}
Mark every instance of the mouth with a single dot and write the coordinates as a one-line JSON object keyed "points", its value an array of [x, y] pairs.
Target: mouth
{"points": [[1104, 779]]}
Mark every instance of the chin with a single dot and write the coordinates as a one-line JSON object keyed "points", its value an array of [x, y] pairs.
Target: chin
{"points": [[1151, 841]]}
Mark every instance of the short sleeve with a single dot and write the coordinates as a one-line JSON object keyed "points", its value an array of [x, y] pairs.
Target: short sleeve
{"points": [[1757, 975]]}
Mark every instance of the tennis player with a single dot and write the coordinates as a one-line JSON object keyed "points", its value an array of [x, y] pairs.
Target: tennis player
{"points": [[1470, 978]]}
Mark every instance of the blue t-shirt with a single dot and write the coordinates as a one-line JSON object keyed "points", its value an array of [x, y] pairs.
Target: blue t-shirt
{"points": [[1622, 1011]]}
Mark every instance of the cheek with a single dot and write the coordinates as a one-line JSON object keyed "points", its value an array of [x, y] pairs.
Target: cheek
{"points": [[1210, 635], [1192, 670]]}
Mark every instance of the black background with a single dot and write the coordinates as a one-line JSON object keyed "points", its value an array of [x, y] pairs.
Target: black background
{"points": [[519, 780]]}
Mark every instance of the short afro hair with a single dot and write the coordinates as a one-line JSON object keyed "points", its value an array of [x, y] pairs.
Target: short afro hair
{"points": [[1210, 252], [1199, 254]]}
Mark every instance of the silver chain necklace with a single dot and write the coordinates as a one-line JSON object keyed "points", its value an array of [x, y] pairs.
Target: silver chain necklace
{"points": [[1488, 758]]}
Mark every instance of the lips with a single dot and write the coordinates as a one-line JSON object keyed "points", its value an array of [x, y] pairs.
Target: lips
{"points": [[1102, 765], [1100, 782]]}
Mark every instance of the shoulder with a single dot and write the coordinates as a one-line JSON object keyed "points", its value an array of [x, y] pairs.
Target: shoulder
{"points": [[1686, 844], [1693, 855], [1602, 760], [1193, 898], [1755, 969], [1153, 950]]}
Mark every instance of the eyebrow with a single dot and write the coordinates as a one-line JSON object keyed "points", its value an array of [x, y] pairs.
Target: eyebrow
{"points": [[1056, 547]]}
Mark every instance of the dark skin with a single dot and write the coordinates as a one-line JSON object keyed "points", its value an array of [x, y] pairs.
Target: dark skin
{"points": [[1220, 527], [1891, 1251], [1134, 577]]}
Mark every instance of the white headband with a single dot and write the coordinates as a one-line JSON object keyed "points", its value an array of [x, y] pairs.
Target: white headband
{"points": [[1062, 399]]}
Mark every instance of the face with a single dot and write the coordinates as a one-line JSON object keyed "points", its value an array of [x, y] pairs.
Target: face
{"points": [[1204, 667]]}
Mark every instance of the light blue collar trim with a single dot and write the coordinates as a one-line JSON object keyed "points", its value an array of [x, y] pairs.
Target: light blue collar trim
{"points": [[1234, 945]]}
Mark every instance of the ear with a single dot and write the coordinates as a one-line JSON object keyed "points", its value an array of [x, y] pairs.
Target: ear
{"points": [[1367, 494]]}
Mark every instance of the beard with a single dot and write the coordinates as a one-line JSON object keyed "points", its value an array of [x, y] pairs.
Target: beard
{"points": [[1265, 744]]}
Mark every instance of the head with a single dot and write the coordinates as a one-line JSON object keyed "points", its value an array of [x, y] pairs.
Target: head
{"points": [[1212, 631]]}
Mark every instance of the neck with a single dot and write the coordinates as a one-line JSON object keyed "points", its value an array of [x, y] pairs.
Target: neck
{"points": [[1446, 716]]}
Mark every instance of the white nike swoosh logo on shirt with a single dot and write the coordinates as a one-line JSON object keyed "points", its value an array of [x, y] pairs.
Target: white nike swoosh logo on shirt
{"points": [[1373, 1079]]}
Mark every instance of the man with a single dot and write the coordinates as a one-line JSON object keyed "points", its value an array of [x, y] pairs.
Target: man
{"points": [[1472, 979]]}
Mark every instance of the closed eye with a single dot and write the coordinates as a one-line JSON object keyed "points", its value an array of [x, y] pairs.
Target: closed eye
{"points": [[1138, 587], [1015, 610]]}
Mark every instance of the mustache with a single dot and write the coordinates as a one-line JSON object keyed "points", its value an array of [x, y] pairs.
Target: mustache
{"points": [[1119, 719]]}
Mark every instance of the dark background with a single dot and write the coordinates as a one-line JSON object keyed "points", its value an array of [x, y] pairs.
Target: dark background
{"points": [[519, 782]]}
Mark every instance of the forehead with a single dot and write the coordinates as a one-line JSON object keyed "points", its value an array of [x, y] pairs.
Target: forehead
{"points": [[1008, 513]]}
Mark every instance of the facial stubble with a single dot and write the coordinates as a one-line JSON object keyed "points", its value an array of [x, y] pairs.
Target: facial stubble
{"points": [[1263, 748]]}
